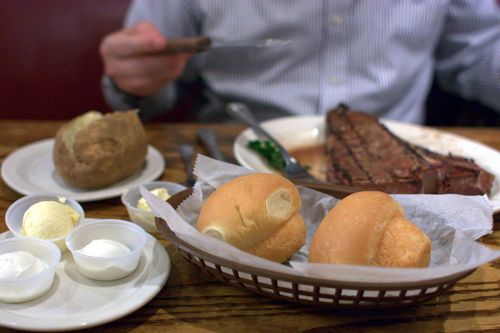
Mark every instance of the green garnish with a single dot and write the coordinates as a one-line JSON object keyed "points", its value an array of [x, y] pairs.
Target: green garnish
{"points": [[269, 151]]}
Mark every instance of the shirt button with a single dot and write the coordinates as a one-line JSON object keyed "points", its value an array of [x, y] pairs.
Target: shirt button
{"points": [[337, 20]]}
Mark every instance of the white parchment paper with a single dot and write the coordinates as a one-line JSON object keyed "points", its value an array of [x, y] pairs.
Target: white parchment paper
{"points": [[452, 222]]}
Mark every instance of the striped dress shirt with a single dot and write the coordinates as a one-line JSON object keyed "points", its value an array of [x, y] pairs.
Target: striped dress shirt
{"points": [[378, 56]]}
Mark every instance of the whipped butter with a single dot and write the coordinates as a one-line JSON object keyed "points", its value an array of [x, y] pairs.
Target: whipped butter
{"points": [[104, 248], [160, 192], [49, 220], [19, 264]]}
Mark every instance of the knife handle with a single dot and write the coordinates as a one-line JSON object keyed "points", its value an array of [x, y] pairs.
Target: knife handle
{"points": [[335, 190], [186, 45]]}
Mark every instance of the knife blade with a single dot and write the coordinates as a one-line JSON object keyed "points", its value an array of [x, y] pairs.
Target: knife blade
{"points": [[203, 43]]}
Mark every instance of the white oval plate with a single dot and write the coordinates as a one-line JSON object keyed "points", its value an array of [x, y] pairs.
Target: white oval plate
{"points": [[295, 132], [30, 169], [75, 302]]}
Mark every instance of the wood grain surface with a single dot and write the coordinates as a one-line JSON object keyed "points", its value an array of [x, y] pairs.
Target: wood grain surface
{"points": [[191, 302]]}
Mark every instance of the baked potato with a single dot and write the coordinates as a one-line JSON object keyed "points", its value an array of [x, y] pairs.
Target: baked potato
{"points": [[95, 150]]}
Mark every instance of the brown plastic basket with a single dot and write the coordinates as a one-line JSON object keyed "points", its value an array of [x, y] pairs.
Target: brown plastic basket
{"points": [[305, 290]]}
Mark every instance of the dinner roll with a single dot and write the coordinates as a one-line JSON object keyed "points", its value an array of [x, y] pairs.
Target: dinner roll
{"points": [[95, 150], [369, 228], [283, 243], [258, 213]]}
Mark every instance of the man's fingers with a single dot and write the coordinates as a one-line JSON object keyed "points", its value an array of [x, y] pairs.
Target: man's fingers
{"points": [[139, 39], [142, 86], [132, 58], [144, 76], [143, 27], [146, 66], [125, 45]]}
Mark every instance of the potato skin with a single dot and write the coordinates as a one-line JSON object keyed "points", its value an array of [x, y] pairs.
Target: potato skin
{"points": [[106, 151]]}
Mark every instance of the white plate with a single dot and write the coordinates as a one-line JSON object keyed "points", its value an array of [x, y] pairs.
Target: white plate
{"points": [[75, 302], [30, 169], [295, 132]]}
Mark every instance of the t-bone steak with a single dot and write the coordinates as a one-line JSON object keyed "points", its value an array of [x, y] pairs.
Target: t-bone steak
{"points": [[363, 153]]}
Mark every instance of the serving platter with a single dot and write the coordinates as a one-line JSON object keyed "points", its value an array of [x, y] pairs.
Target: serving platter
{"points": [[298, 132], [75, 302], [30, 169]]}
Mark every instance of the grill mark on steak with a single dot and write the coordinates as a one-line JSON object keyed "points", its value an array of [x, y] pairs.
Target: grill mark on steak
{"points": [[362, 152], [356, 133], [374, 160], [396, 174], [423, 174], [347, 144]]}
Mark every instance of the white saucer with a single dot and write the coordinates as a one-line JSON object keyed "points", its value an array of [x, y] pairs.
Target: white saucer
{"points": [[75, 302], [30, 169]]}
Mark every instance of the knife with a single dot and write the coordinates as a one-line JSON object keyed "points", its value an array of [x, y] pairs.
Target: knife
{"points": [[203, 43], [336, 190], [209, 140]]}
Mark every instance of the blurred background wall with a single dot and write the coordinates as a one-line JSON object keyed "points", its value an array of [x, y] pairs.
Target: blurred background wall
{"points": [[50, 66]]}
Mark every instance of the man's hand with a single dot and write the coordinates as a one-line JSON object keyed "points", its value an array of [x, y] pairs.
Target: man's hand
{"points": [[129, 59]]}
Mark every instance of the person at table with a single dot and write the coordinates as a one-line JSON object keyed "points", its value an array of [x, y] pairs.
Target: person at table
{"points": [[375, 56]]}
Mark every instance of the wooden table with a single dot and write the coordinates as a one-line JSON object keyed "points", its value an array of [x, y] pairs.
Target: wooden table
{"points": [[191, 302]]}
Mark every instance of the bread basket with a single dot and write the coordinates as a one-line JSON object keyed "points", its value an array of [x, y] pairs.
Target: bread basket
{"points": [[305, 290]]}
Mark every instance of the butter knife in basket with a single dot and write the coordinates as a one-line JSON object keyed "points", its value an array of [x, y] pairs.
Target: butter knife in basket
{"points": [[292, 170]]}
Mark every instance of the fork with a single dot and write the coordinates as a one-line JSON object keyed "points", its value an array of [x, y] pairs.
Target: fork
{"points": [[187, 151], [293, 169]]}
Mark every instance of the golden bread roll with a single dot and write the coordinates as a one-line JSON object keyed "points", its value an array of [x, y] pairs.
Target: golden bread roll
{"points": [[284, 242], [257, 213], [369, 228], [95, 150]]}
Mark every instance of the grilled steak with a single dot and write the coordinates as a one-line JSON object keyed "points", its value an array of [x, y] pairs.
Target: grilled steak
{"points": [[364, 153]]}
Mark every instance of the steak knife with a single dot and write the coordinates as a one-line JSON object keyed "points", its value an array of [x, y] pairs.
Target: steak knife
{"points": [[203, 43]]}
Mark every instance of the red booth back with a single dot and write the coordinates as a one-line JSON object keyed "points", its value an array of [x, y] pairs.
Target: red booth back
{"points": [[49, 65]]}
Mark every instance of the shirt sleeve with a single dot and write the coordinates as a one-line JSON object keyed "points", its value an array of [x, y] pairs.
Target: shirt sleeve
{"points": [[468, 55], [172, 18]]}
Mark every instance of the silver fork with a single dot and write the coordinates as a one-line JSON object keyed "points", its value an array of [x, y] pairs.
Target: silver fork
{"points": [[187, 151], [293, 170]]}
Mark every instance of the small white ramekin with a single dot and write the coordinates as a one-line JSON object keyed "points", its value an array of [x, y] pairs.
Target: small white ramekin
{"points": [[15, 213], [146, 219], [107, 268], [16, 290]]}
